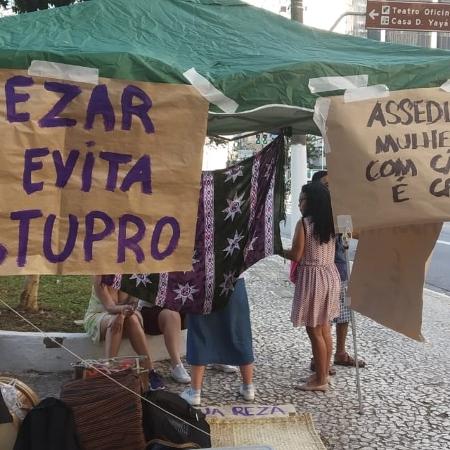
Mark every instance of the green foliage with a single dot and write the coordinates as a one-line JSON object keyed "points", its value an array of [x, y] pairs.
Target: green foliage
{"points": [[24, 6], [62, 299], [313, 148]]}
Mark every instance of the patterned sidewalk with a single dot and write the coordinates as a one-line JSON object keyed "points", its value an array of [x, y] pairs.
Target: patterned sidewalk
{"points": [[405, 386]]}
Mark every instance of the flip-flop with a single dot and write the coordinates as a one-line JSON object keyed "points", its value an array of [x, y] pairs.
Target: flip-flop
{"points": [[349, 361]]}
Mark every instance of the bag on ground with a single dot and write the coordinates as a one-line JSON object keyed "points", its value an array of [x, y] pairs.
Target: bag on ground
{"points": [[163, 431]]}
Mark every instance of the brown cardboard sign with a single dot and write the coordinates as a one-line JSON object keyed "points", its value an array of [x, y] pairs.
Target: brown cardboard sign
{"points": [[418, 16], [389, 160], [388, 275], [98, 178]]}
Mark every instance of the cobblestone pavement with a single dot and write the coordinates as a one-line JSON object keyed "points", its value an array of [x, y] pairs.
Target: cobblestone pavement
{"points": [[405, 386]]}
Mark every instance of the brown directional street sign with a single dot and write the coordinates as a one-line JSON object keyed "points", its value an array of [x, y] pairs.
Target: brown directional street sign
{"points": [[414, 16]]}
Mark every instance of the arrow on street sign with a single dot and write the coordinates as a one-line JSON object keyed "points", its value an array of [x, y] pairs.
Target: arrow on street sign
{"points": [[373, 14]]}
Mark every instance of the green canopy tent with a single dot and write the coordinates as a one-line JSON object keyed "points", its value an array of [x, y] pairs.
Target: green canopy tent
{"points": [[258, 59]]}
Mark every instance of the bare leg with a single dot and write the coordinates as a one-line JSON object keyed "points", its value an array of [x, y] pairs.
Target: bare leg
{"points": [[197, 373], [247, 373], [341, 336], [112, 338], [326, 333], [135, 333], [170, 324], [320, 353]]}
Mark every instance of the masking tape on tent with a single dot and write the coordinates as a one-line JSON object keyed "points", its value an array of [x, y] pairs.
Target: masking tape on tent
{"points": [[344, 224], [208, 91], [366, 93], [446, 86], [320, 119], [49, 69], [323, 84]]}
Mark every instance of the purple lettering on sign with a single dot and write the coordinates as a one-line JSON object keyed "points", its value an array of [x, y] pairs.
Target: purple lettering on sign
{"points": [[86, 175], [141, 110], [3, 253], [64, 171], [30, 166], [90, 236], [277, 410], [12, 98], [52, 119], [24, 217], [248, 410], [173, 243], [238, 411], [114, 159], [70, 243], [141, 172], [99, 103], [217, 412], [262, 411], [132, 242]]}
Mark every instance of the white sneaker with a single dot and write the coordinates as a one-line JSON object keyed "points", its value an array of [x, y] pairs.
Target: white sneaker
{"points": [[179, 374], [248, 392], [191, 396], [225, 368]]}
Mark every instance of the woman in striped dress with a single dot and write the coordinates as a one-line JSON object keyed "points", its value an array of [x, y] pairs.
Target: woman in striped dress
{"points": [[316, 297]]}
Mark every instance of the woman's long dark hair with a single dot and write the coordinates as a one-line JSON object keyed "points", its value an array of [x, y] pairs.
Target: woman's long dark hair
{"points": [[318, 209]]}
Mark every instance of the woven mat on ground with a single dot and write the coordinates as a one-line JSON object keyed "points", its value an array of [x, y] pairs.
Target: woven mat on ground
{"points": [[295, 432]]}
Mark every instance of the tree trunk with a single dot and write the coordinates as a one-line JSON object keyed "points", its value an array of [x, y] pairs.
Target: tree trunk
{"points": [[29, 295]]}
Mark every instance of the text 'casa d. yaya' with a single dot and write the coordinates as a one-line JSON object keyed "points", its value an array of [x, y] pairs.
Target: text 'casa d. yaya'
{"points": [[417, 16]]}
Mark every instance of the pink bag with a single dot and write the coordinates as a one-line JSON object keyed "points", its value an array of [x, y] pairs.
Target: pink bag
{"points": [[293, 273]]}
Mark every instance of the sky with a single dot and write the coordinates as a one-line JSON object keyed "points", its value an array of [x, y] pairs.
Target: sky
{"points": [[318, 13]]}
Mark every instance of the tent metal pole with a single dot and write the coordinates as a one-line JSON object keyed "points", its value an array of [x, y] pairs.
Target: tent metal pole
{"points": [[355, 350], [346, 238]]}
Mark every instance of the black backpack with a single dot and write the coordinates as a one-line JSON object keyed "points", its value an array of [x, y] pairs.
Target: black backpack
{"points": [[163, 431], [48, 426]]}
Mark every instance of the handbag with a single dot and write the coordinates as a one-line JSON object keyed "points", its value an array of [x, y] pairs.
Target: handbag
{"points": [[107, 416], [293, 272]]}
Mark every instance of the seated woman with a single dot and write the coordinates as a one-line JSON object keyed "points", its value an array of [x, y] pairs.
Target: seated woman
{"points": [[169, 323], [112, 315]]}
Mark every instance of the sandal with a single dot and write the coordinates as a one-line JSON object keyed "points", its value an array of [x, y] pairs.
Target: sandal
{"points": [[344, 359], [312, 368]]}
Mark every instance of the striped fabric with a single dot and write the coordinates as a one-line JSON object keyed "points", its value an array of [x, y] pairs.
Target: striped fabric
{"points": [[107, 416]]}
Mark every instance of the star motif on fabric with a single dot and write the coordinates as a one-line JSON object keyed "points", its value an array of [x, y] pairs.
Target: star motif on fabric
{"points": [[233, 173], [233, 244], [228, 282], [249, 246], [141, 278], [234, 207], [185, 292]]}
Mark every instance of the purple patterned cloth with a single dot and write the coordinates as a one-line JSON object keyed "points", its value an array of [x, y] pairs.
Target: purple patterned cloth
{"points": [[239, 212]]}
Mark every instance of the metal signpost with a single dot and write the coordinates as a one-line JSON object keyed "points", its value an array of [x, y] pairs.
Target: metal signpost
{"points": [[412, 16]]}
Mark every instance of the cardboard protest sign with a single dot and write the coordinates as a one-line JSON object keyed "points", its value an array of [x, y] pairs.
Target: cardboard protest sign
{"points": [[98, 178], [389, 160], [395, 258]]}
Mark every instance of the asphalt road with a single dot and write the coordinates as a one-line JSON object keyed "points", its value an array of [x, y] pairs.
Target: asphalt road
{"points": [[438, 277]]}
